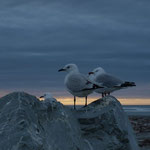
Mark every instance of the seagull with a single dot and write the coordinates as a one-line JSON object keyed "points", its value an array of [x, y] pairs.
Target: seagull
{"points": [[77, 84], [109, 82], [48, 97], [49, 101]]}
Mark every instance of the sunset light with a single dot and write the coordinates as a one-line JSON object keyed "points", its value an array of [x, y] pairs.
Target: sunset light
{"points": [[123, 101]]}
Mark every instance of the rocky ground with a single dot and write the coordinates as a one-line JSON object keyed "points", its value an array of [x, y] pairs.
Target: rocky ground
{"points": [[141, 126], [26, 123]]}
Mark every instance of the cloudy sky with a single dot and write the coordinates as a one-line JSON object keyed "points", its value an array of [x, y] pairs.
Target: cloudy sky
{"points": [[38, 37]]}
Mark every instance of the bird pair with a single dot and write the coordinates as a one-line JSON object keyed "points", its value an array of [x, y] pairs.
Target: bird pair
{"points": [[98, 80]]}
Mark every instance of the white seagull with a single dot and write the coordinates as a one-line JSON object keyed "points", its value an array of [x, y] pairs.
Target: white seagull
{"points": [[48, 97], [109, 82], [49, 101], [77, 84]]}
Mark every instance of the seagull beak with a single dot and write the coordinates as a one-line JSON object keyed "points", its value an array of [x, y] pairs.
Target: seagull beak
{"points": [[41, 96], [61, 70], [91, 73]]}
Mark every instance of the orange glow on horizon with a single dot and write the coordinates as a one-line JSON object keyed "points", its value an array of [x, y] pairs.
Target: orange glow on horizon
{"points": [[123, 101], [68, 100]]}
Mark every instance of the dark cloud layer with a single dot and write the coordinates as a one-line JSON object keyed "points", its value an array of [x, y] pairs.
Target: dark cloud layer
{"points": [[38, 37]]}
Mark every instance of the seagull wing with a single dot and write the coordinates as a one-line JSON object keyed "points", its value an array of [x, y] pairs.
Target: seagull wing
{"points": [[108, 80], [78, 82]]}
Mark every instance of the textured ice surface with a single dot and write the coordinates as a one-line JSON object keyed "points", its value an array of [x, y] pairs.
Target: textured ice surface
{"points": [[29, 124]]}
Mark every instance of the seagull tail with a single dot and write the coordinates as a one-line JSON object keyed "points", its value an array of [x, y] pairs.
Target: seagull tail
{"points": [[128, 84]]}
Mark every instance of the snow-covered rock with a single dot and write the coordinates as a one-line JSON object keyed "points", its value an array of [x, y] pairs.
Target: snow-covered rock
{"points": [[29, 124]]}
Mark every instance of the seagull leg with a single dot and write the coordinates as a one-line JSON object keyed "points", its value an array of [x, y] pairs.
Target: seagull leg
{"points": [[86, 101], [74, 102], [102, 94]]}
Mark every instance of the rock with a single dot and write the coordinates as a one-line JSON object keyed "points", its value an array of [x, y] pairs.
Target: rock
{"points": [[29, 124], [105, 125]]}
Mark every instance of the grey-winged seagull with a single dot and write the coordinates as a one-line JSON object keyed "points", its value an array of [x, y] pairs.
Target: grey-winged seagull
{"points": [[77, 84], [111, 83]]}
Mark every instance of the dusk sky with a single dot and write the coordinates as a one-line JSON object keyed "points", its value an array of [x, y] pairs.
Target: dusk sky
{"points": [[38, 37]]}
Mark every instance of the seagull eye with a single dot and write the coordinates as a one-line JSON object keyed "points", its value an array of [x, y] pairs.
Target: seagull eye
{"points": [[68, 67]]}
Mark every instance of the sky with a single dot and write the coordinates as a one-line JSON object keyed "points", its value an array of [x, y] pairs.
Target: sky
{"points": [[38, 37]]}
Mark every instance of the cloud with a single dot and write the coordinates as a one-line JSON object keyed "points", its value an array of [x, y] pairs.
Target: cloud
{"points": [[39, 37]]}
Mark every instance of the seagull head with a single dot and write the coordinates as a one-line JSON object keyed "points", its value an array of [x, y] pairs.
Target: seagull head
{"points": [[97, 71], [46, 96], [69, 68]]}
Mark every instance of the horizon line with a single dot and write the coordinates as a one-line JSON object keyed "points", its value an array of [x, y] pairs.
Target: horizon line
{"points": [[68, 100], [123, 101]]}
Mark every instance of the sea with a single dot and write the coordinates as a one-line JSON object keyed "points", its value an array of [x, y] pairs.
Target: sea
{"points": [[131, 110], [137, 110]]}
